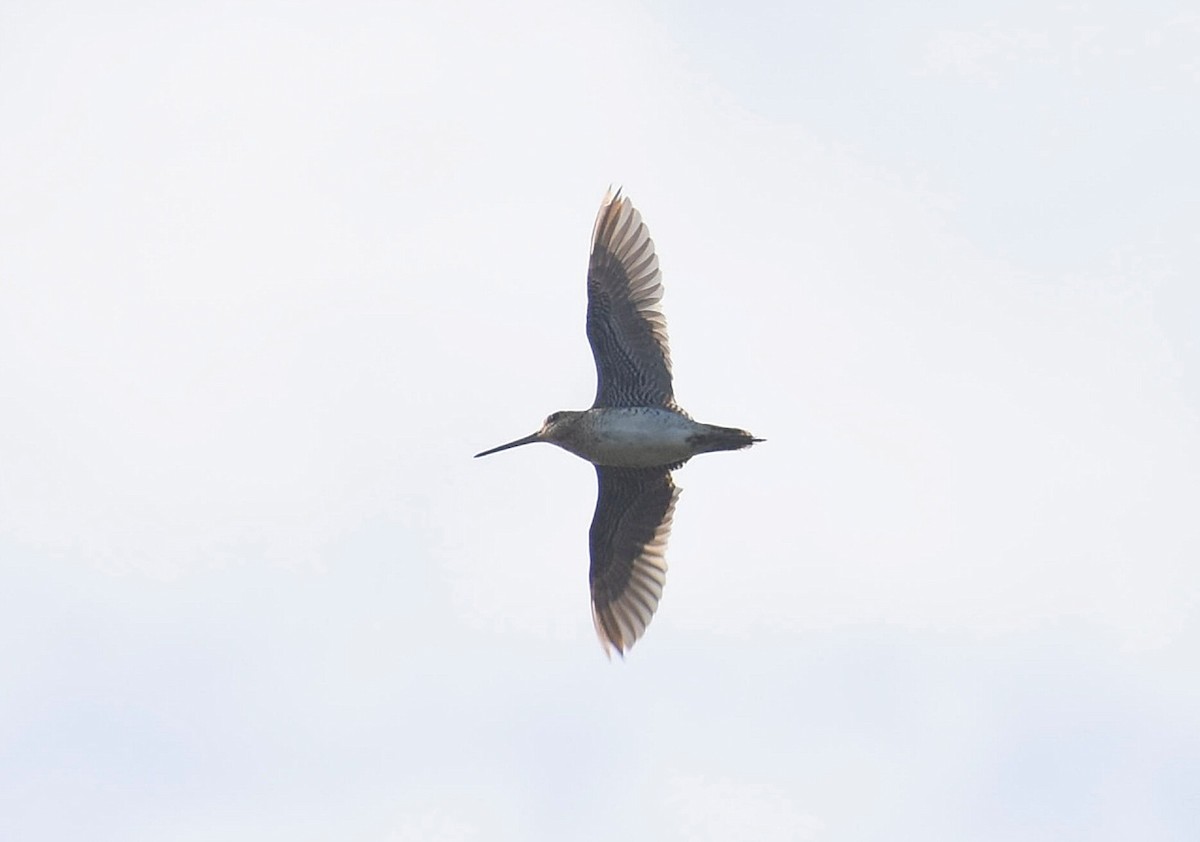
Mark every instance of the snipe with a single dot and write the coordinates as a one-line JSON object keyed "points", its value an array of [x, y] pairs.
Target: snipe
{"points": [[635, 434]]}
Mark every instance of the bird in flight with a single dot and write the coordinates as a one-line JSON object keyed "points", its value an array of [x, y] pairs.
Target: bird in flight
{"points": [[635, 434]]}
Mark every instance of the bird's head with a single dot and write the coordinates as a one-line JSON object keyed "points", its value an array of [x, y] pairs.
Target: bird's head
{"points": [[553, 430]]}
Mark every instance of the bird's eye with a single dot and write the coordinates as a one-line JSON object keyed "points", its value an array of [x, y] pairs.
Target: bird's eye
{"points": [[554, 416]]}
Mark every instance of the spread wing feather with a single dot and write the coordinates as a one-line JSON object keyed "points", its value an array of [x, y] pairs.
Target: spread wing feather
{"points": [[628, 541], [625, 322]]}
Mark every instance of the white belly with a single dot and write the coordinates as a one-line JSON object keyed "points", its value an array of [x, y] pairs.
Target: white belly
{"points": [[635, 438]]}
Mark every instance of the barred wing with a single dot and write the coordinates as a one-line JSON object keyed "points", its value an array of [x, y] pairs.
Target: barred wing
{"points": [[625, 322], [628, 540]]}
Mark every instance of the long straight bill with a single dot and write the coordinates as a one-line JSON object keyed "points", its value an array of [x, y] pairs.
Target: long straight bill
{"points": [[529, 439]]}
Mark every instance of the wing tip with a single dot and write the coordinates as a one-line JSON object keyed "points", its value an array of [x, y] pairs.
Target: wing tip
{"points": [[607, 643], [612, 194], [612, 209]]}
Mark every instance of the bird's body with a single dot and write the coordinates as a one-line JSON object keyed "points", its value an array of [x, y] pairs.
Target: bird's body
{"points": [[635, 434]]}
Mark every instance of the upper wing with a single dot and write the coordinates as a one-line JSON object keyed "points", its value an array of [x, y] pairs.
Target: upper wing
{"points": [[625, 322], [628, 539]]}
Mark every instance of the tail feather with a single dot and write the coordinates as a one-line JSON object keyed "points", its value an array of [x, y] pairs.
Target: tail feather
{"points": [[721, 438]]}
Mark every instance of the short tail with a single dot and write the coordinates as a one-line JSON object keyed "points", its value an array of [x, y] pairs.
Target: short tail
{"points": [[721, 438]]}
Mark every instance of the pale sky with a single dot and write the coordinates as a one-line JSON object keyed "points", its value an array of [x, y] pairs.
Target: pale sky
{"points": [[271, 272]]}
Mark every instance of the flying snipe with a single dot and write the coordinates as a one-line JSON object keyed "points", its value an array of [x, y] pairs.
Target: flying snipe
{"points": [[635, 434]]}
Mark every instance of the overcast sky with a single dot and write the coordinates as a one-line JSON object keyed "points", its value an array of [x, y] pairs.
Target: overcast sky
{"points": [[271, 272]]}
